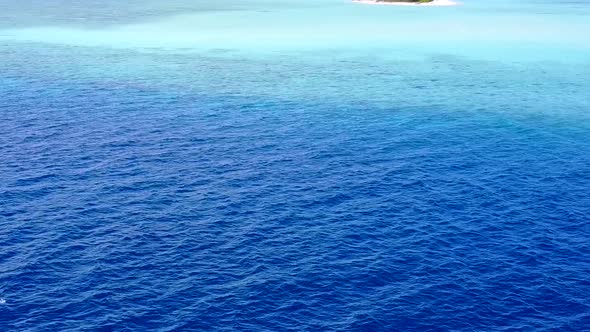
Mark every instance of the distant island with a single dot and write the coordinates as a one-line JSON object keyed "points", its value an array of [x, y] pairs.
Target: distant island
{"points": [[413, 1], [408, 2]]}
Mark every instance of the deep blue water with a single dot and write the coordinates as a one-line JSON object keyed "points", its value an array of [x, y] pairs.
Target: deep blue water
{"points": [[383, 186]]}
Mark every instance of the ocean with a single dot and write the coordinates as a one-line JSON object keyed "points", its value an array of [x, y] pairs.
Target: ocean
{"points": [[294, 165]]}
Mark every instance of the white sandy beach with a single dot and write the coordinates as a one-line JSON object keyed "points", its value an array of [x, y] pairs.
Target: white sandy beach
{"points": [[433, 3]]}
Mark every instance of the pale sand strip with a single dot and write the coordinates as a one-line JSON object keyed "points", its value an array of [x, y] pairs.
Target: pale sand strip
{"points": [[433, 3]]}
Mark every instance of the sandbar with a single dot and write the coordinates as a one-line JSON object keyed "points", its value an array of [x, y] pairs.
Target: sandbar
{"points": [[393, 3]]}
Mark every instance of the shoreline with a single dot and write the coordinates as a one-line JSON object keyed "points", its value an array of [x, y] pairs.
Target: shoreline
{"points": [[433, 3]]}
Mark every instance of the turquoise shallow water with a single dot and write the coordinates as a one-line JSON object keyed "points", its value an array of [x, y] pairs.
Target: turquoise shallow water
{"points": [[190, 44], [294, 165], [477, 29]]}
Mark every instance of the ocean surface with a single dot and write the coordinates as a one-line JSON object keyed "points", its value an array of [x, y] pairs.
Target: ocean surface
{"points": [[294, 165]]}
